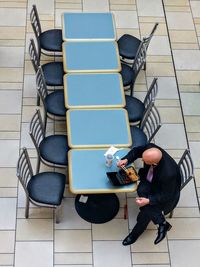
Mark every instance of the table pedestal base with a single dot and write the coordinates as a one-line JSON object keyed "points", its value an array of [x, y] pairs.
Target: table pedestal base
{"points": [[99, 208]]}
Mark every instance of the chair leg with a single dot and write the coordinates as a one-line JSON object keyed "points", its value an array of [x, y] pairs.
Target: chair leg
{"points": [[45, 122], [58, 213], [38, 165], [131, 90], [27, 208], [171, 214], [145, 66], [38, 99]]}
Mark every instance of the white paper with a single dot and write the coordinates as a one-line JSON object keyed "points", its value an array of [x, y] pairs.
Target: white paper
{"points": [[83, 199], [112, 150]]}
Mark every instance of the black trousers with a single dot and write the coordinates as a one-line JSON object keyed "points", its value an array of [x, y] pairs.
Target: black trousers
{"points": [[147, 213]]}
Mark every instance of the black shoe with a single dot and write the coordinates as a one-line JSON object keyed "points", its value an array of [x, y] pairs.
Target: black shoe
{"points": [[130, 239], [162, 231]]}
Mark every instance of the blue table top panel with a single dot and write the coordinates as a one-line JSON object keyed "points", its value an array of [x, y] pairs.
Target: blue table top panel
{"points": [[98, 128], [93, 90], [91, 57], [88, 26], [87, 172]]}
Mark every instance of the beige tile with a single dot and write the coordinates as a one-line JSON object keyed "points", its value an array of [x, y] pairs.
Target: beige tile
{"points": [[30, 86], [190, 102], [9, 153], [70, 218], [8, 177], [7, 219], [159, 46], [194, 136], [188, 77], [12, 57], [8, 43], [8, 192], [183, 36], [160, 69], [176, 2], [114, 230], [192, 123], [170, 115], [195, 5], [42, 6], [181, 228], [194, 88], [177, 9], [12, 17], [187, 59], [11, 85], [116, 257], [126, 19], [176, 21], [150, 258], [145, 243], [134, 32], [184, 253], [184, 46], [11, 75], [152, 19], [122, 2], [33, 254], [122, 7], [13, 4], [10, 122], [17, 33], [186, 212], [159, 58], [68, 5], [73, 265], [7, 259], [66, 241], [146, 28], [188, 196], [167, 103], [7, 241], [162, 265], [195, 152], [73, 258], [34, 229], [10, 102], [150, 8], [95, 6]]}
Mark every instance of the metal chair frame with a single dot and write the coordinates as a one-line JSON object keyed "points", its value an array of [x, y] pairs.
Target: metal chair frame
{"points": [[24, 174]]}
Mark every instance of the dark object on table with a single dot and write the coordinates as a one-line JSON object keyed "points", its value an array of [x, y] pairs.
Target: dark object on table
{"points": [[123, 176]]}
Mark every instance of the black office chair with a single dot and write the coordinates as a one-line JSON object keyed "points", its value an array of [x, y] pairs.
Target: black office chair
{"points": [[53, 71], [130, 73], [128, 45], [53, 103], [149, 126], [187, 173], [44, 189], [48, 41], [52, 150], [137, 108]]}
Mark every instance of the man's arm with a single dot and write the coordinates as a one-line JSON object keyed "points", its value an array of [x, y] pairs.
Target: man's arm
{"points": [[134, 154]]}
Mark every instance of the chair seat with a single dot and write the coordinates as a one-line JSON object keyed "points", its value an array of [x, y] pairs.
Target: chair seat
{"points": [[51, 40], [128, 46], [135, 108], [47, 188], [55, 103], [138, 136], [128, 75], [54, 149], [53, 73]]}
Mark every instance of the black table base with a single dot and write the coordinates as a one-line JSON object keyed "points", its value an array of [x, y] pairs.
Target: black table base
{"points": [[99, 208]]}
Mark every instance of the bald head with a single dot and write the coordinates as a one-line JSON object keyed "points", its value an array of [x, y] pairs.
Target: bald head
{"points": [[152, 156]]}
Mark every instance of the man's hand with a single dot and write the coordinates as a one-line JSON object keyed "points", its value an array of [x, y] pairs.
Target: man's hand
{"points": [[142, 201], [122, 163]]}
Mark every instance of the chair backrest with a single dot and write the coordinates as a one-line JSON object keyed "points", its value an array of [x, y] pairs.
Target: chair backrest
{"points": [[140, 59], [186, 168], [148, 39], [37, 130], [24, 169], [35, 22], [151, 122], [35, 59], [151, 94], [41, 85]]}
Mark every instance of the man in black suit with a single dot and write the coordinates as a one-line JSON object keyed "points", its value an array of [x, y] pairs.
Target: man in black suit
{"points": [[158, 190]]}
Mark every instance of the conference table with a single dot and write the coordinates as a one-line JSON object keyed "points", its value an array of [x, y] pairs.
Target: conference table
{"points": [[93, 90], [81, 26], [93, 57], [96, 201], [96, 128]]}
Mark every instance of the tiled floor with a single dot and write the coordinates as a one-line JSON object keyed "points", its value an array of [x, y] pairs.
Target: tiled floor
{"points": [[173, 57]]}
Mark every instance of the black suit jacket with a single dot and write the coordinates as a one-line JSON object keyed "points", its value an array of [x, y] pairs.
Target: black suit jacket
{"points": [[166, 181]]}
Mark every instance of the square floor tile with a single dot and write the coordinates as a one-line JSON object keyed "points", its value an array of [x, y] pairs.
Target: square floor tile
{"points": [[7, 241], [30, 86], [73, 241], [42, 6], [187, 59], [7, 219], [113, 230], [111, 254], [190, 102], [195, 5], [126, 19], [73, 258], [184, 253], [188, 196], [70, 218], [150, 258], [9, 153], [10, 102], [8, 177], [171, 136], [95, 6], [180, 21], [151, 8], [12, 57], [34, 229], [12, 17], [34, 254], [195, 152], [159, 46]]}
